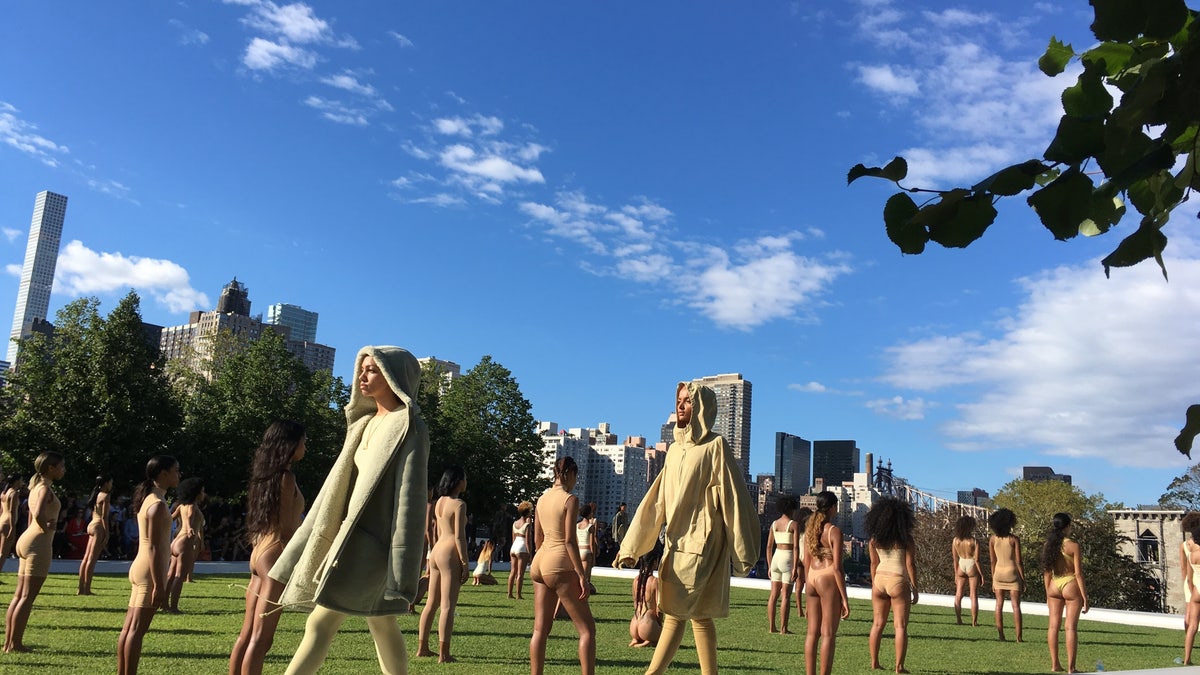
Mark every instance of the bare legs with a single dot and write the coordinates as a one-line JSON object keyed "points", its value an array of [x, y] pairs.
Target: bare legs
{"points": [[516, 574], [561, 587], [180, 571], [1189, 634], [961, 582], [1069, 598], [260, 620], [1016, 610], [779, 591], [445, 580], [87, 566], [882, 605], [17, 616], [824, 616], [129, 645]]}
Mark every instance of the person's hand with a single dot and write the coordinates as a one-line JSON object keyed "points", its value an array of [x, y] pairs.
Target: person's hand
{"points": [[915, 595], [465, 574], [584, 591], [158, 597], [845, 608], [1085, 605], [624, 563]]}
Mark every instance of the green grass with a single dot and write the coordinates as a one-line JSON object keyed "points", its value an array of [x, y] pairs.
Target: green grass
{"points": [[72, 634]]}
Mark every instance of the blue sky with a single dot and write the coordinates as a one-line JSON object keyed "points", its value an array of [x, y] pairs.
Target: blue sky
{"points": [[609, 198]]}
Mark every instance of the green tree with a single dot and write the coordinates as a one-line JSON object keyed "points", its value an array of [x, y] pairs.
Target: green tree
{"points": [[1184, 491], [490, 431], [95, 390], [1114, 580], [1148, 51], [249, 385]]}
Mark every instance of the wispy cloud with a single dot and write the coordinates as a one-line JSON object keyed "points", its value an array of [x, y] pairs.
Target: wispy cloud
{"points": [[1084, 367], [336, 111], [809, 387], [13, 269], [11, 234], [970, 81], [189, 35], [81, 271], [22, 135], [900, 407], [400, 39], [288, 36], [112, 188]]}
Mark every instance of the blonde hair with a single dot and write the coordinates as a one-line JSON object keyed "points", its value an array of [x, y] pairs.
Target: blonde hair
{"points": [[44, 462], [485, 552], [525, 508], [816, 522]]}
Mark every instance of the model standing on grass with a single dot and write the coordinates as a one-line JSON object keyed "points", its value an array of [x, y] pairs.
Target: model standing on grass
{"points": [[889, 525], [585, 536], [802, 515], [557, 571], [189, 540], [97, 533], [964, 551], [1189, 569], [358, 551], [274, 508], [700, 497], [148, 572], [826, 584], [1062, 567], [782, 543], [10, 502], [35, 548], [447, 562], [519, 553], [1008, 575]]}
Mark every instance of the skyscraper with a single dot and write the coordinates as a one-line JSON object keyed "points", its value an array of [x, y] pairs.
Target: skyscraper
{"points": [[792, 462], [37, 274], [733, 414], [302, 322], [835, 461]]}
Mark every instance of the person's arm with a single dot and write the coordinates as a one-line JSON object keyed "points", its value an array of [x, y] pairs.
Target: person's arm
{"points": [[1017, 561], [1185, 569], [978, 567], [770, 543], [287, 506], [1079, 574], [910, 565], [538, 534], [460, 528], [794, 532], [159, 524], [593, 542], [38, 507], [835, 536], [570, 515], [992, 553], [954, 558], [873, 556]]}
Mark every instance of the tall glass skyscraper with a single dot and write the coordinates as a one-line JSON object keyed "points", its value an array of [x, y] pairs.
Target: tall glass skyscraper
{"points": [[793, 457], [302, 321], [37, 274]]}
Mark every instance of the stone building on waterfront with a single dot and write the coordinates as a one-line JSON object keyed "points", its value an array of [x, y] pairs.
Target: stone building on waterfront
{"points": [[1154, 536]]}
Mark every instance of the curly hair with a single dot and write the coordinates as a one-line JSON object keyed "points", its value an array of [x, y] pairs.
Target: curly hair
{"points": [[802, 515], [1190, 520], [272, 459], [189, 490], [812, 532], [890, 523], [786, 505], [525, 508], [1052, 551], [1002, 522], [964, 528], [565, 466]]}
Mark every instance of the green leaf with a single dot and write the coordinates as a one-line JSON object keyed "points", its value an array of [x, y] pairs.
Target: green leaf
{"points": [[1088, 97], [897, 217], [895, 171], [1107, 209], [1047, 177], [1064, 204], [1076, 140], [1155, 194], [1147, 242], [1056, 58], [1012, 180], [1164, 18], [971, 218], [1114, 56], [1118, 20], [1136, 160]]}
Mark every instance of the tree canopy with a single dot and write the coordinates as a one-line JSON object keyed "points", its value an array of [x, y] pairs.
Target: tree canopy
{"points": [[1143, 146]]}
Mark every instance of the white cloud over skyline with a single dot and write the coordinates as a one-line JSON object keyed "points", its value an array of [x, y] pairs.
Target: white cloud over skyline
{"points": [[81, 271], [22, 136]]}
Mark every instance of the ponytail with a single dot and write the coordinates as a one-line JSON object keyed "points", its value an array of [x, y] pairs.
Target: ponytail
{"points": [[1052, 551], [100, 481], [44, 462], [816, 523], [155, 467]]}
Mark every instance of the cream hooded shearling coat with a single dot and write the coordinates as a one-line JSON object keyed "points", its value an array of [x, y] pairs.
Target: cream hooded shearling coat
{"points": [[711, 524], [359, 549]]}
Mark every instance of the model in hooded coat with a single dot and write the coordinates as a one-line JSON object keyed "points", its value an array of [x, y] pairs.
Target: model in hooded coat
{"points": [[358, 551], [700, 496]]}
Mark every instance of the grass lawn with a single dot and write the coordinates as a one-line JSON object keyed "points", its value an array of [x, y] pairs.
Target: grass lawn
{"points": [[72, 634]]}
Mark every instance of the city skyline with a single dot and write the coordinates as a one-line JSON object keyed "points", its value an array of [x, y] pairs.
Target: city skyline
{"points": [[37, 272], [610, 202]]}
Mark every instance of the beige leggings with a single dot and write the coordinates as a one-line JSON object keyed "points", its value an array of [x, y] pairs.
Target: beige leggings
{"points": [[705, 633], [322, 626]]}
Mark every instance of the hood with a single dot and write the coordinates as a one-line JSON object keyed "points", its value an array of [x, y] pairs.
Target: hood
{"points": [[704, 412], [402, 373]]}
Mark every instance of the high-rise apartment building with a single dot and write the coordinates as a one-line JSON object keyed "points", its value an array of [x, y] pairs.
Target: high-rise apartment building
{"points": [[733, 415], [302, 321], [37, 274], [450, 370], [793, 457], [834, 461], [610, 473]]}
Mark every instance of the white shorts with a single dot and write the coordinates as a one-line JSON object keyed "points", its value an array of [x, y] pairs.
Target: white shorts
{"points": [[781, 566], [519, 547]]}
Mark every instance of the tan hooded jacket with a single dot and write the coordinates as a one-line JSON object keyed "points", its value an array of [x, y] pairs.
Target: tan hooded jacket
{"points": [[360, 547], [711, 524]]}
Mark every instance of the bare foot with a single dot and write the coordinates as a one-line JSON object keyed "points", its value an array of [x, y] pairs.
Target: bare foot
{"points": [[633, 643], [20, 649], [974, 623], [425, 652], [1057, 669], [773, 631], [960, 622], [510, 596], [446, 659], [901, 669], [786, 632], [642, 644], [876, 666]]}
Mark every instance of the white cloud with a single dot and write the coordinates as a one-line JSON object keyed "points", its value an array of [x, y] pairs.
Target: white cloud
{"points": [[296, 22], [1084, 367], [111, 188], [485, 126], [22, 136], [648, 269], [887, 80], [11, 234], [262, 54], [440, 199], [336, 111], [13, 269], [404, 41], [349, 82], [465, 160], [957, 18], [81, 271], [809, 387], [188, 35], [900, 407]]}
